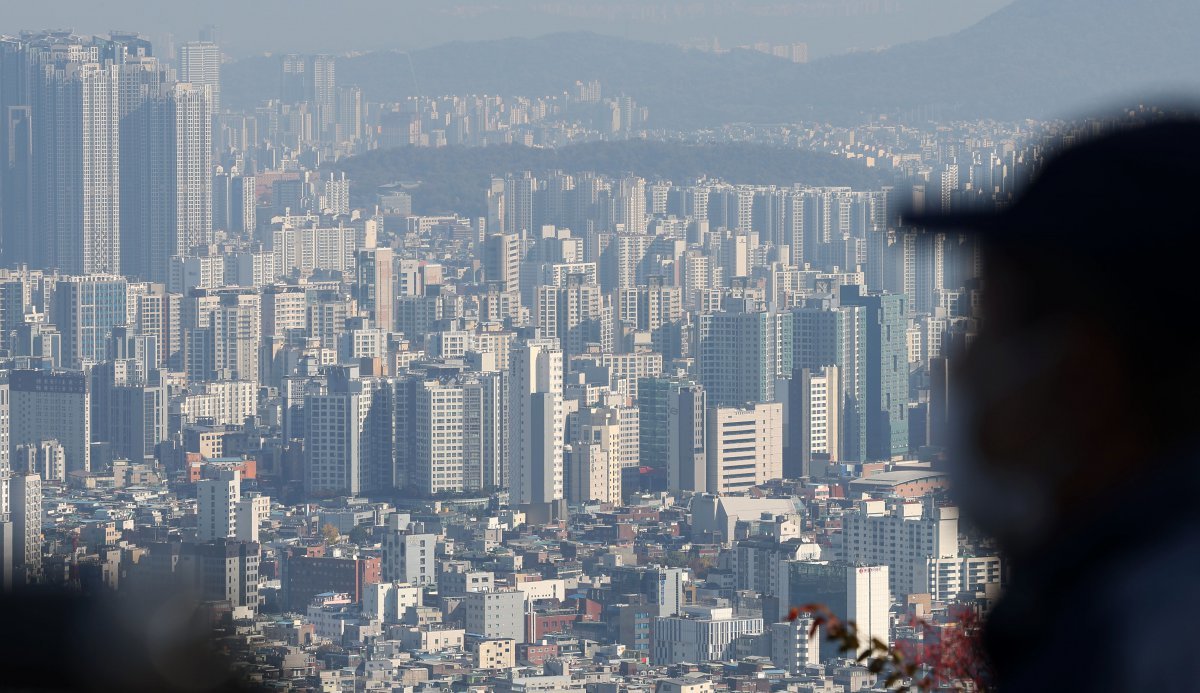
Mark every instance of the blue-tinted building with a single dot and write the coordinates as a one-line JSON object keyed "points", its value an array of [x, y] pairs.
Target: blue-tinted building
{"points": [[886, 400]]}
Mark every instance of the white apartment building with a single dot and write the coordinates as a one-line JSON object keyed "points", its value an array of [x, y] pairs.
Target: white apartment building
{"points": [[306, 248], [200, 64], [625, 369], [224, 402], [919, 544], [187, 272], [535, 590], [250, 268], [438, 466], [408, 558], [284, 308], [594, 461], [590, 473], [349, 450], [252, 510], [25, 508], [821, 406], [223, 334], [496, 614], [951, 576], [868, 599], [387, 602], [216, 505], [536, 424], [856, 593], [703, 634], [432, 637], [792, 646], [745, 447]]}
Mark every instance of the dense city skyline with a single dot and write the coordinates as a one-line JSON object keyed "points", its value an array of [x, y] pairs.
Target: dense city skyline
{"points": [[479, 391]]}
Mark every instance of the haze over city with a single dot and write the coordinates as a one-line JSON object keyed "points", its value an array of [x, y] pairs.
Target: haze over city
{"points": [[588, 346], [277, 26]]}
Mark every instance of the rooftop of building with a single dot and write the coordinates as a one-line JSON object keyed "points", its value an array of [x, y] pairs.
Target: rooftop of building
{"points": [[899, 477]]}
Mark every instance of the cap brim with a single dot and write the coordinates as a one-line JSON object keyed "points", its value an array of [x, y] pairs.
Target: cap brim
{"points": [[962, 222]]}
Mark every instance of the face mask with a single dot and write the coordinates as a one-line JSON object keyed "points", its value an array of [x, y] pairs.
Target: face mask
{"points": [[1014, 502], [1008, 503]]}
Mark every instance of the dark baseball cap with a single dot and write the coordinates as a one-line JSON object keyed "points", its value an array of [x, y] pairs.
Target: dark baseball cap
{"points": [[1129, 188]]}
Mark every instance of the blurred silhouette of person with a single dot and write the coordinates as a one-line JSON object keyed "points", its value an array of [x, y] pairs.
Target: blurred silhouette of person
{"points": [[159, 639], [1077, 436]]}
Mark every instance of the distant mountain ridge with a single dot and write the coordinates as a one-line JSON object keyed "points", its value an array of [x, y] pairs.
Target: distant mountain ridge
{"points": [[1032, 58], [453, 179]]}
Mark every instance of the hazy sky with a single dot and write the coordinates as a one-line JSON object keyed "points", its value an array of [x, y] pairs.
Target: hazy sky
{"points": [[256, 26]]}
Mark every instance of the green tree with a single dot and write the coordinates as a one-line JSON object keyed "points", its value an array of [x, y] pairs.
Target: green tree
{"points": [[361, 534]]}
